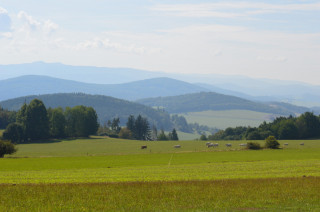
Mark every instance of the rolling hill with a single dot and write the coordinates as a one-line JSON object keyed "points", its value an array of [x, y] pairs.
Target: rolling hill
{"points": [[205, 101], [37, 85], [106, 107]]}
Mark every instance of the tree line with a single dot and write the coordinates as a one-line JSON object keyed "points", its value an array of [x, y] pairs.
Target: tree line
{"points": [[137, 128], [306, 126], [34, 122]]}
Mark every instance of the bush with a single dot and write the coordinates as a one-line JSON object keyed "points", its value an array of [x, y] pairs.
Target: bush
{"points": [[14, 133], [272, 143], [253, 145], [125, 133], [203, 137], [6, 148]]}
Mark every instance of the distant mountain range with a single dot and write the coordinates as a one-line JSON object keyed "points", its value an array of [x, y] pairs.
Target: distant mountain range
{"points": [[245, 87], [204, 101], [36, 85]]}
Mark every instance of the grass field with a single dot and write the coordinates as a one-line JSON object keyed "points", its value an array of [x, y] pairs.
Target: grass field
{"points": [[112, 174], [228, 118], [280, 194]]}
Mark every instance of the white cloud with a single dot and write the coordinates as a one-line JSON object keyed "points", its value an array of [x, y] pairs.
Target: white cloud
{"points": [[105, 43], [5, 20], [6, 34], [35, 25], [29, 20], [49, 26], [239, 9], [272, 59]]}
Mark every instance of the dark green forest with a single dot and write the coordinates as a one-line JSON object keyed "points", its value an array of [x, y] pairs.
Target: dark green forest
{"points": [[6, 117], [35, 122]]}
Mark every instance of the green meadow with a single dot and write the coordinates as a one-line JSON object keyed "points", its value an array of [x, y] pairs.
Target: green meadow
{"points": [[106, 174], [228, 118]]}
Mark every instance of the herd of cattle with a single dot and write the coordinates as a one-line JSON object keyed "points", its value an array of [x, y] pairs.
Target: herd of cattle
{"points": [[209, 144]]}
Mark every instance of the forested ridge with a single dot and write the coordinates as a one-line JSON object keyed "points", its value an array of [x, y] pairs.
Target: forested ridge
{"points": [[108, 108], [204, 101]]}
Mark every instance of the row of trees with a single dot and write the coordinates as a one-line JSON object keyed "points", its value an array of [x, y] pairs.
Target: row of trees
{"points": [[305, 126], [35, 122], [136, 128]]}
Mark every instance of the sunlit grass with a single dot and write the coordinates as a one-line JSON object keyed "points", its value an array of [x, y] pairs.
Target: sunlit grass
{"points": [[158, 167], [103, 174], [99, 146], [276, 194]]}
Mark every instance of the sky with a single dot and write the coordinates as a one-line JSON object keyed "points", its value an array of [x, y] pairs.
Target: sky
{"points": [[276, 39]]}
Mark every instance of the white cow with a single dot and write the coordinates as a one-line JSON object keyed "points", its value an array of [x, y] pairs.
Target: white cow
{"points": [[177, 146], [210, 145]]}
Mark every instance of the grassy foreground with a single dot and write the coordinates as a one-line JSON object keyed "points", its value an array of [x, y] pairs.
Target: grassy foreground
{"points": [[103, 174], [294, 194]]}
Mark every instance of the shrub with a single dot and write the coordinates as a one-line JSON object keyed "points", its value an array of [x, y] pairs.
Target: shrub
{"points": [[125, 133], [14, 133], [253, 145], [272, 143], [203, 137], [7, 148]]}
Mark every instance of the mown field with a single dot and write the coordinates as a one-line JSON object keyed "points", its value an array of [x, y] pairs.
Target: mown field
{"points": [[228, 118], [112, 174]]}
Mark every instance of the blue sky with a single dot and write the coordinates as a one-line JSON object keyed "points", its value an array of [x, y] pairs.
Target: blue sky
{"points": [[265, 39]]}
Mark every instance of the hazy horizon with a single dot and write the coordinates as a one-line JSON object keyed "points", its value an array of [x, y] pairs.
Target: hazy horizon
{"points": [[259, 39]]}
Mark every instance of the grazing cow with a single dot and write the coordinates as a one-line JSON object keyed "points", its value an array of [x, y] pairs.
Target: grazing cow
{"points": [[242, 144], [286, 144], [177, 146], [228, 145], [210, 145], [216, 144], [302, 144], [143, 147]]}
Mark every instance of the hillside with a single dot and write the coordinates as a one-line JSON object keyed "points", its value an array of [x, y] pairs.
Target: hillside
{"points": [[37, 85], [205, 101], [223, 119], [106, 107]]}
